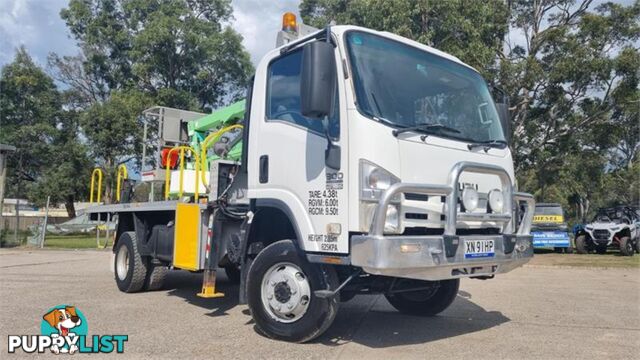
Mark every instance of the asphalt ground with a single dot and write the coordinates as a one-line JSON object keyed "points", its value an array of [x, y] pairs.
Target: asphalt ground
{"points": [[535, 312]]}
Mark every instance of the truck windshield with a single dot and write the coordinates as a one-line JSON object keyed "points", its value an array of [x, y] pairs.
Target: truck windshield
{"points": [[403, 86], [548, 210]]}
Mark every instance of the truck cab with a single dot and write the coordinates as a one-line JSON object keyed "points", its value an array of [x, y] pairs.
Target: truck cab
{"points": [[370, 163]]}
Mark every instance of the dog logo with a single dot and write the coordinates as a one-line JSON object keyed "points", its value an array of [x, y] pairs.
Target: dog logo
{"points": [[63, 330], [67, 322]]}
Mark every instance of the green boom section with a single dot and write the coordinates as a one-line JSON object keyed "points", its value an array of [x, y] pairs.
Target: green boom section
{"points": [[199, 129]]}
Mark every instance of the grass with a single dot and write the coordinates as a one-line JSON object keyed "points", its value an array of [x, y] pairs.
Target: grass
{"points": [[612, 259], [80, 241]]}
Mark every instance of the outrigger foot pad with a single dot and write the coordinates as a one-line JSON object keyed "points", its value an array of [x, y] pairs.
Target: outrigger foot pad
{"points": [[209, 286]]}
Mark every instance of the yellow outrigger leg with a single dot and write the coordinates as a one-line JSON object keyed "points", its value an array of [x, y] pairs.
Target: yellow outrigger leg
{"points": [[209, 286], [209, 278]]}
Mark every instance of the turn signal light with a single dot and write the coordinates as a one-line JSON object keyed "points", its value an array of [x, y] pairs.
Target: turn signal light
{"points": [[289, 22]]}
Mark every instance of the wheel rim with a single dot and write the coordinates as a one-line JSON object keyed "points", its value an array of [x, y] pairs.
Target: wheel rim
{"points": [[286, 293], [122, 263]]}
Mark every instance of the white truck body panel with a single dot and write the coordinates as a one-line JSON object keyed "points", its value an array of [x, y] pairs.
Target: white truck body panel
{"points": [[299, 168]]}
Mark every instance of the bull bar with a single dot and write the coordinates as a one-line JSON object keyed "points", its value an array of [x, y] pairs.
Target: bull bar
{"points": [[439, 257]]}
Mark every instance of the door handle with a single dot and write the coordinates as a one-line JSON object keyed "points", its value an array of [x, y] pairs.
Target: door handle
{"points": [[264, 169]]}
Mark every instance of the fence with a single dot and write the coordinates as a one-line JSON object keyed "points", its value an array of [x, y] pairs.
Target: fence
{"points": [[9, 222]]}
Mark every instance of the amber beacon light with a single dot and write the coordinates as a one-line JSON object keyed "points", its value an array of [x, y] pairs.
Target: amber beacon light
{"points": [[289, 22]]}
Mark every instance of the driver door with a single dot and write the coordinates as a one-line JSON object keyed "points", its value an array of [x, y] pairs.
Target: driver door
{"points": [[290, 152]]}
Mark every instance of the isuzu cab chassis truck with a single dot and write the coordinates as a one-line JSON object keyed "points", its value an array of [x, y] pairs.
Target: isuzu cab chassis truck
{"points": [[367, 163]]}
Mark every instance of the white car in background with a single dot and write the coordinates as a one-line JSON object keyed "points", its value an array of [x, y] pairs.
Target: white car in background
{"points": [[617, 227]]}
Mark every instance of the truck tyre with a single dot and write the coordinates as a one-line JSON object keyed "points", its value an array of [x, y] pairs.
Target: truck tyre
{"points": [[280, 294], [155, 277], [130, 269], [626, 246], [428, 302], [233, 274], [581, 244]]}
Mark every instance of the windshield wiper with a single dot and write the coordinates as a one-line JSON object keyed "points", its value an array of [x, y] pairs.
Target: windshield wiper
{"points": [[498, 144], [425, 128]]}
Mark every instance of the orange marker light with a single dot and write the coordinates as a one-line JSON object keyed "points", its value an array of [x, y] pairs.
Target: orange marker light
{"points": [[289, 22]]}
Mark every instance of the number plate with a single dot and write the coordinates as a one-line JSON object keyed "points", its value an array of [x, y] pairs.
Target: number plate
{"points": [[474, 249]]}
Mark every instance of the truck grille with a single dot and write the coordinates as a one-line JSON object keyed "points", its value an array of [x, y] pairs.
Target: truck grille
{"points": [[416, 197], [601, 234]]}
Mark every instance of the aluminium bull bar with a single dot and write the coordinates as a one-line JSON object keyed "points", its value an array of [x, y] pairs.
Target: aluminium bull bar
{"points": [[439, 257]]}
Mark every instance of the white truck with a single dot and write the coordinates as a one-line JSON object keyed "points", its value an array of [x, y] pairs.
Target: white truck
{"points": [[370, 164]]}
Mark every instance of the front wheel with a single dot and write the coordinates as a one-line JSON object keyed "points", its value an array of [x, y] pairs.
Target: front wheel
{"points": [[626, 246], [280, 294], [432, 298], [581, 244]]}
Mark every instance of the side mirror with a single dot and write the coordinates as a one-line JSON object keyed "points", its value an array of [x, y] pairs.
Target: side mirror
{"points": [[317, 79], [502, 106]]}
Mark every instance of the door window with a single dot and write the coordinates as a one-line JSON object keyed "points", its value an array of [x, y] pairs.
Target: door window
{"points": [[283, 95]]}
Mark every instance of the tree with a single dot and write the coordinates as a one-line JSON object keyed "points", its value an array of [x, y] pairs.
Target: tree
{"points": [[470, 30], [29, 105], [114, 131], [47, 147], [177, 52]]}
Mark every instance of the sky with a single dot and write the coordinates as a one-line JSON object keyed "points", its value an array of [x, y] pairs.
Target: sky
{"points": [[36, 24]]}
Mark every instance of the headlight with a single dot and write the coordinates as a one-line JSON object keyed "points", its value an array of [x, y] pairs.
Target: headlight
{"points": [[392, 223], [496, 200], [374, 180], [469, 199], [589, 227]]}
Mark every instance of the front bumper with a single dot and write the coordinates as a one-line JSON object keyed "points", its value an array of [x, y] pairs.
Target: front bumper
{"points": [[387, 255], [443, 257]]}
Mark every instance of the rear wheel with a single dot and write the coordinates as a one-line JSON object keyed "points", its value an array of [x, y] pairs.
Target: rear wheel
{"points": [[434, 298], [581, 244], [280, 294], [155, 277], [626, 246], [130, 269]]}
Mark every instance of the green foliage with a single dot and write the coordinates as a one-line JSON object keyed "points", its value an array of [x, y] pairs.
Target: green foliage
{"points": [[29, 105], [49, 156], [470, 30], [180, 53]]}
